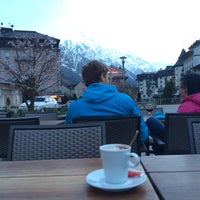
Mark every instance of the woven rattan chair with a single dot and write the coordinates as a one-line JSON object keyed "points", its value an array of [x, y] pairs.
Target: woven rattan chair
{"points": [[5, 124], [176, 133], [194, 134], [43, 115], [118, 129], [55, 142]]}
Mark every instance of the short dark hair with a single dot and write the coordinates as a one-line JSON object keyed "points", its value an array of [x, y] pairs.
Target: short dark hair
{"points": [[191, 82], [92, 71]]}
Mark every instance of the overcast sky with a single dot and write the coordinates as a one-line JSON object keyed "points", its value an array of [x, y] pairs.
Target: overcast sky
{"points": [[154, 30]]}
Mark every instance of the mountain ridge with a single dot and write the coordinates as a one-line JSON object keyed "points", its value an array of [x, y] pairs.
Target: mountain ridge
{"points": [[75, 54]]}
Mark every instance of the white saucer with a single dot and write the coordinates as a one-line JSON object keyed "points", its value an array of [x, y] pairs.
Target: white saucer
{"points": [[96, 179]]}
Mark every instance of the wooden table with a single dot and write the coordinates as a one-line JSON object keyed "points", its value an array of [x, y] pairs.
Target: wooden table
{"points": [[171, 163], [60, 179], [174, 176]]}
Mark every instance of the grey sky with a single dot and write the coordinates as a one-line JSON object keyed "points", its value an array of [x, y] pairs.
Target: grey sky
{"points": [[155, 30]]}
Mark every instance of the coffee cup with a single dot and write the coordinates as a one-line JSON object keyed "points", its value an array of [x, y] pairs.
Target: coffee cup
{"points": [[116, 159]]}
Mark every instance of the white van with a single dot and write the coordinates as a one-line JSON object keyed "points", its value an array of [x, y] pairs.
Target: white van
{"points": [[42, 102]]}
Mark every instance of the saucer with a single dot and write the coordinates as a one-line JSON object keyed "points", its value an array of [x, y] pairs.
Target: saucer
{"points": [[96, 179]]}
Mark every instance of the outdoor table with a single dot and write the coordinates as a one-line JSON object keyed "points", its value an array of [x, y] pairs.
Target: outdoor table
{"points": [[60, 179], [174, 176], [171, 163]]}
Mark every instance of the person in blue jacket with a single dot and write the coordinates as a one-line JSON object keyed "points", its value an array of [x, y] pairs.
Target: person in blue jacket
{"points": [[103, 99]]}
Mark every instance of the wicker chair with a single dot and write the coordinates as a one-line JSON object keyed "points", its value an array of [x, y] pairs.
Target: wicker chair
{"points": [[55, 142], [43, 115], [5, 124], [118, 129], [176, 133], [194, 134]]}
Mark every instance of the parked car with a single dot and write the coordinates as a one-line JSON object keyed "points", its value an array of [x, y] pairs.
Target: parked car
{"points": [[41, 102]]}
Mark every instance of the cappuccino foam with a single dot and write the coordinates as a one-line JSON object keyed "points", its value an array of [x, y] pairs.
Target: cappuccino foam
{"points": [[117, 147]]}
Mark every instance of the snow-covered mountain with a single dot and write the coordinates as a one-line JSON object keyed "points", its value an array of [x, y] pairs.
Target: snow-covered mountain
{"points": [[75, 54]]}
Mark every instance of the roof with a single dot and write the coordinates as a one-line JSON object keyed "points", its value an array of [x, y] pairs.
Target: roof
{"points": [[169, 71], [179, 62], [146, 75], [9, 33], [115, 70], [195, 44]]}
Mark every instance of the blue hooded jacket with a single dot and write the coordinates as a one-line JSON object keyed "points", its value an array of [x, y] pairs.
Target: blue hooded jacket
{"points": [[101, 99]]}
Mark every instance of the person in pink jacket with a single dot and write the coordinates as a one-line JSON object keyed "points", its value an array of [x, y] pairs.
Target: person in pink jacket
{"points": [[189, 90]]}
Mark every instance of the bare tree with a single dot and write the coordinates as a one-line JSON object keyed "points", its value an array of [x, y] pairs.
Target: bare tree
{"points": [[33, 67]]}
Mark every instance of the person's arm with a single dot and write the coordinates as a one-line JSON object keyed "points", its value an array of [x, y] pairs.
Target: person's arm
{"points": [[69, 116], [144, 128]]}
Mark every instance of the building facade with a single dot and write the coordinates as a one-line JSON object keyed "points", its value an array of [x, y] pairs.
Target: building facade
{"points": [[13, 60], [117, 77], [151, 85]]}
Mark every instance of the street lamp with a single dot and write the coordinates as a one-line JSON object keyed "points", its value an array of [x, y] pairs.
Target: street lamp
{"points": [[123, 58]]}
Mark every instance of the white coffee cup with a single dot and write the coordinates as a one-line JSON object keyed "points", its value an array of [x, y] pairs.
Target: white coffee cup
{"points": [[116, 159]]}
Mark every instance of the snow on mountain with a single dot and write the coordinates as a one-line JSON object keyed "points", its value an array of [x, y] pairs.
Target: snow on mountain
{"points": [[112, 56], [75, 54]]}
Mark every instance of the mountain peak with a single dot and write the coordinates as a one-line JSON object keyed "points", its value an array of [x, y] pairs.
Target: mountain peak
{"points": [[75, 54]]}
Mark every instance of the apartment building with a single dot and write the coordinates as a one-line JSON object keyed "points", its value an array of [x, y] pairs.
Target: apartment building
{"points": [[11, 58], [152, 84]]}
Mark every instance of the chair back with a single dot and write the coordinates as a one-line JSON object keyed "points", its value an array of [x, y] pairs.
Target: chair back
{"points": [[176, 133], [43, 115], [194, 134], [5, 124], [119, 129], [55, 142]]}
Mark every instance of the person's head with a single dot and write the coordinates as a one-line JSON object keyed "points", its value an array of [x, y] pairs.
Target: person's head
{"points": [[189, 84], [95, 72]]}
